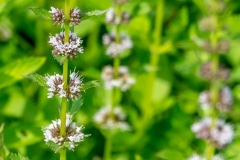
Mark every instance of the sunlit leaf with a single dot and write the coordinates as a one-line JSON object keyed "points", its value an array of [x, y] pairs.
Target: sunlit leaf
{"points": [[76, 105], [16, 70], [17, 157], [60, 58], [91, 14], [89, 85], [56, 148], [42, 13], [39, 79]]}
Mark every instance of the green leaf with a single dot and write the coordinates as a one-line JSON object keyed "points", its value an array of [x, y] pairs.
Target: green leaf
{"points": [[91, 14], [17, 69], [42, 13], [17, 157], [56, 148], [76, 105], [89, 85], [60, 58], [39, 79]]}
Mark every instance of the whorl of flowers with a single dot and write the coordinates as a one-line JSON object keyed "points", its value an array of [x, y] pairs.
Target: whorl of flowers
{"points": [[55, 86], [73, 133], [222, 47], [123, 81], [224, 103], [219, 135], [112, 18], [58, 16], [197, 157], [207, 73], [69, 49], [110, 118], [115, 48]]}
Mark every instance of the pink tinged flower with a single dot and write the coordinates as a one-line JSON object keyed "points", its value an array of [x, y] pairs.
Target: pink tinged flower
{"points": [[73, 135], [219, 135], [123, 81], [111, 119], [69, 49], [74, 85], [75, 16], [55, 85], [58, 16], [224, 103], [115, 48]]}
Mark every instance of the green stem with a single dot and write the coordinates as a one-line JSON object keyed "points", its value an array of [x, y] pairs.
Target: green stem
{"points": [[210, 150], [63, 152], [154, 59], [108, 147]]}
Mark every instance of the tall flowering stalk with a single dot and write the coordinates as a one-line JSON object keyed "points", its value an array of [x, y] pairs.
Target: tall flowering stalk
{"points": [[218, 99], [64, 133], [116, 78]]}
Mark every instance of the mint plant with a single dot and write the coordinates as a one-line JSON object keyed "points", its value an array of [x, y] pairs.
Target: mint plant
{"points": [[64, 134], [218, 100]]}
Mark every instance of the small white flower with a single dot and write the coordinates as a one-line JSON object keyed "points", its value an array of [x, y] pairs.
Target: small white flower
{"points": [[57, 16], [74, 85], [224, 103], [55, 84], [75, 16], [123, 81], [115, 48], [220, 135], [225, 99], [69, 49], [112, 18], [111, 119], [73, 133]]}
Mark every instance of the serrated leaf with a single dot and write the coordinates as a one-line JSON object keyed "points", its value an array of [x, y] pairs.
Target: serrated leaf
{"points": [[39, 79], [60, 59], [42, 13], [17, 157], [56, 148], [91, 14], [76, 105], [16, 70], [89, 85]]}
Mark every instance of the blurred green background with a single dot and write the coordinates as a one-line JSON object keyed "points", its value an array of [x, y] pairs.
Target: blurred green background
{"points": [[165, 132]]}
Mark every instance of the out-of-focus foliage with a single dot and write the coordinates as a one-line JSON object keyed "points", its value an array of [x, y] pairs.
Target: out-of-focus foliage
{"points": [[159, 131]]}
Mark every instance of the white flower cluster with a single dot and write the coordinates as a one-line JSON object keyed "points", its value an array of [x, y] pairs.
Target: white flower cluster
{"points": [[224, 103], [111, 118], [75, 15], [58, 16], [219, 135], [112, 18], [69, 49], [74, 85], [123, 81], [197, 157], [115, 48], [73, 133], [55, 84]]}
